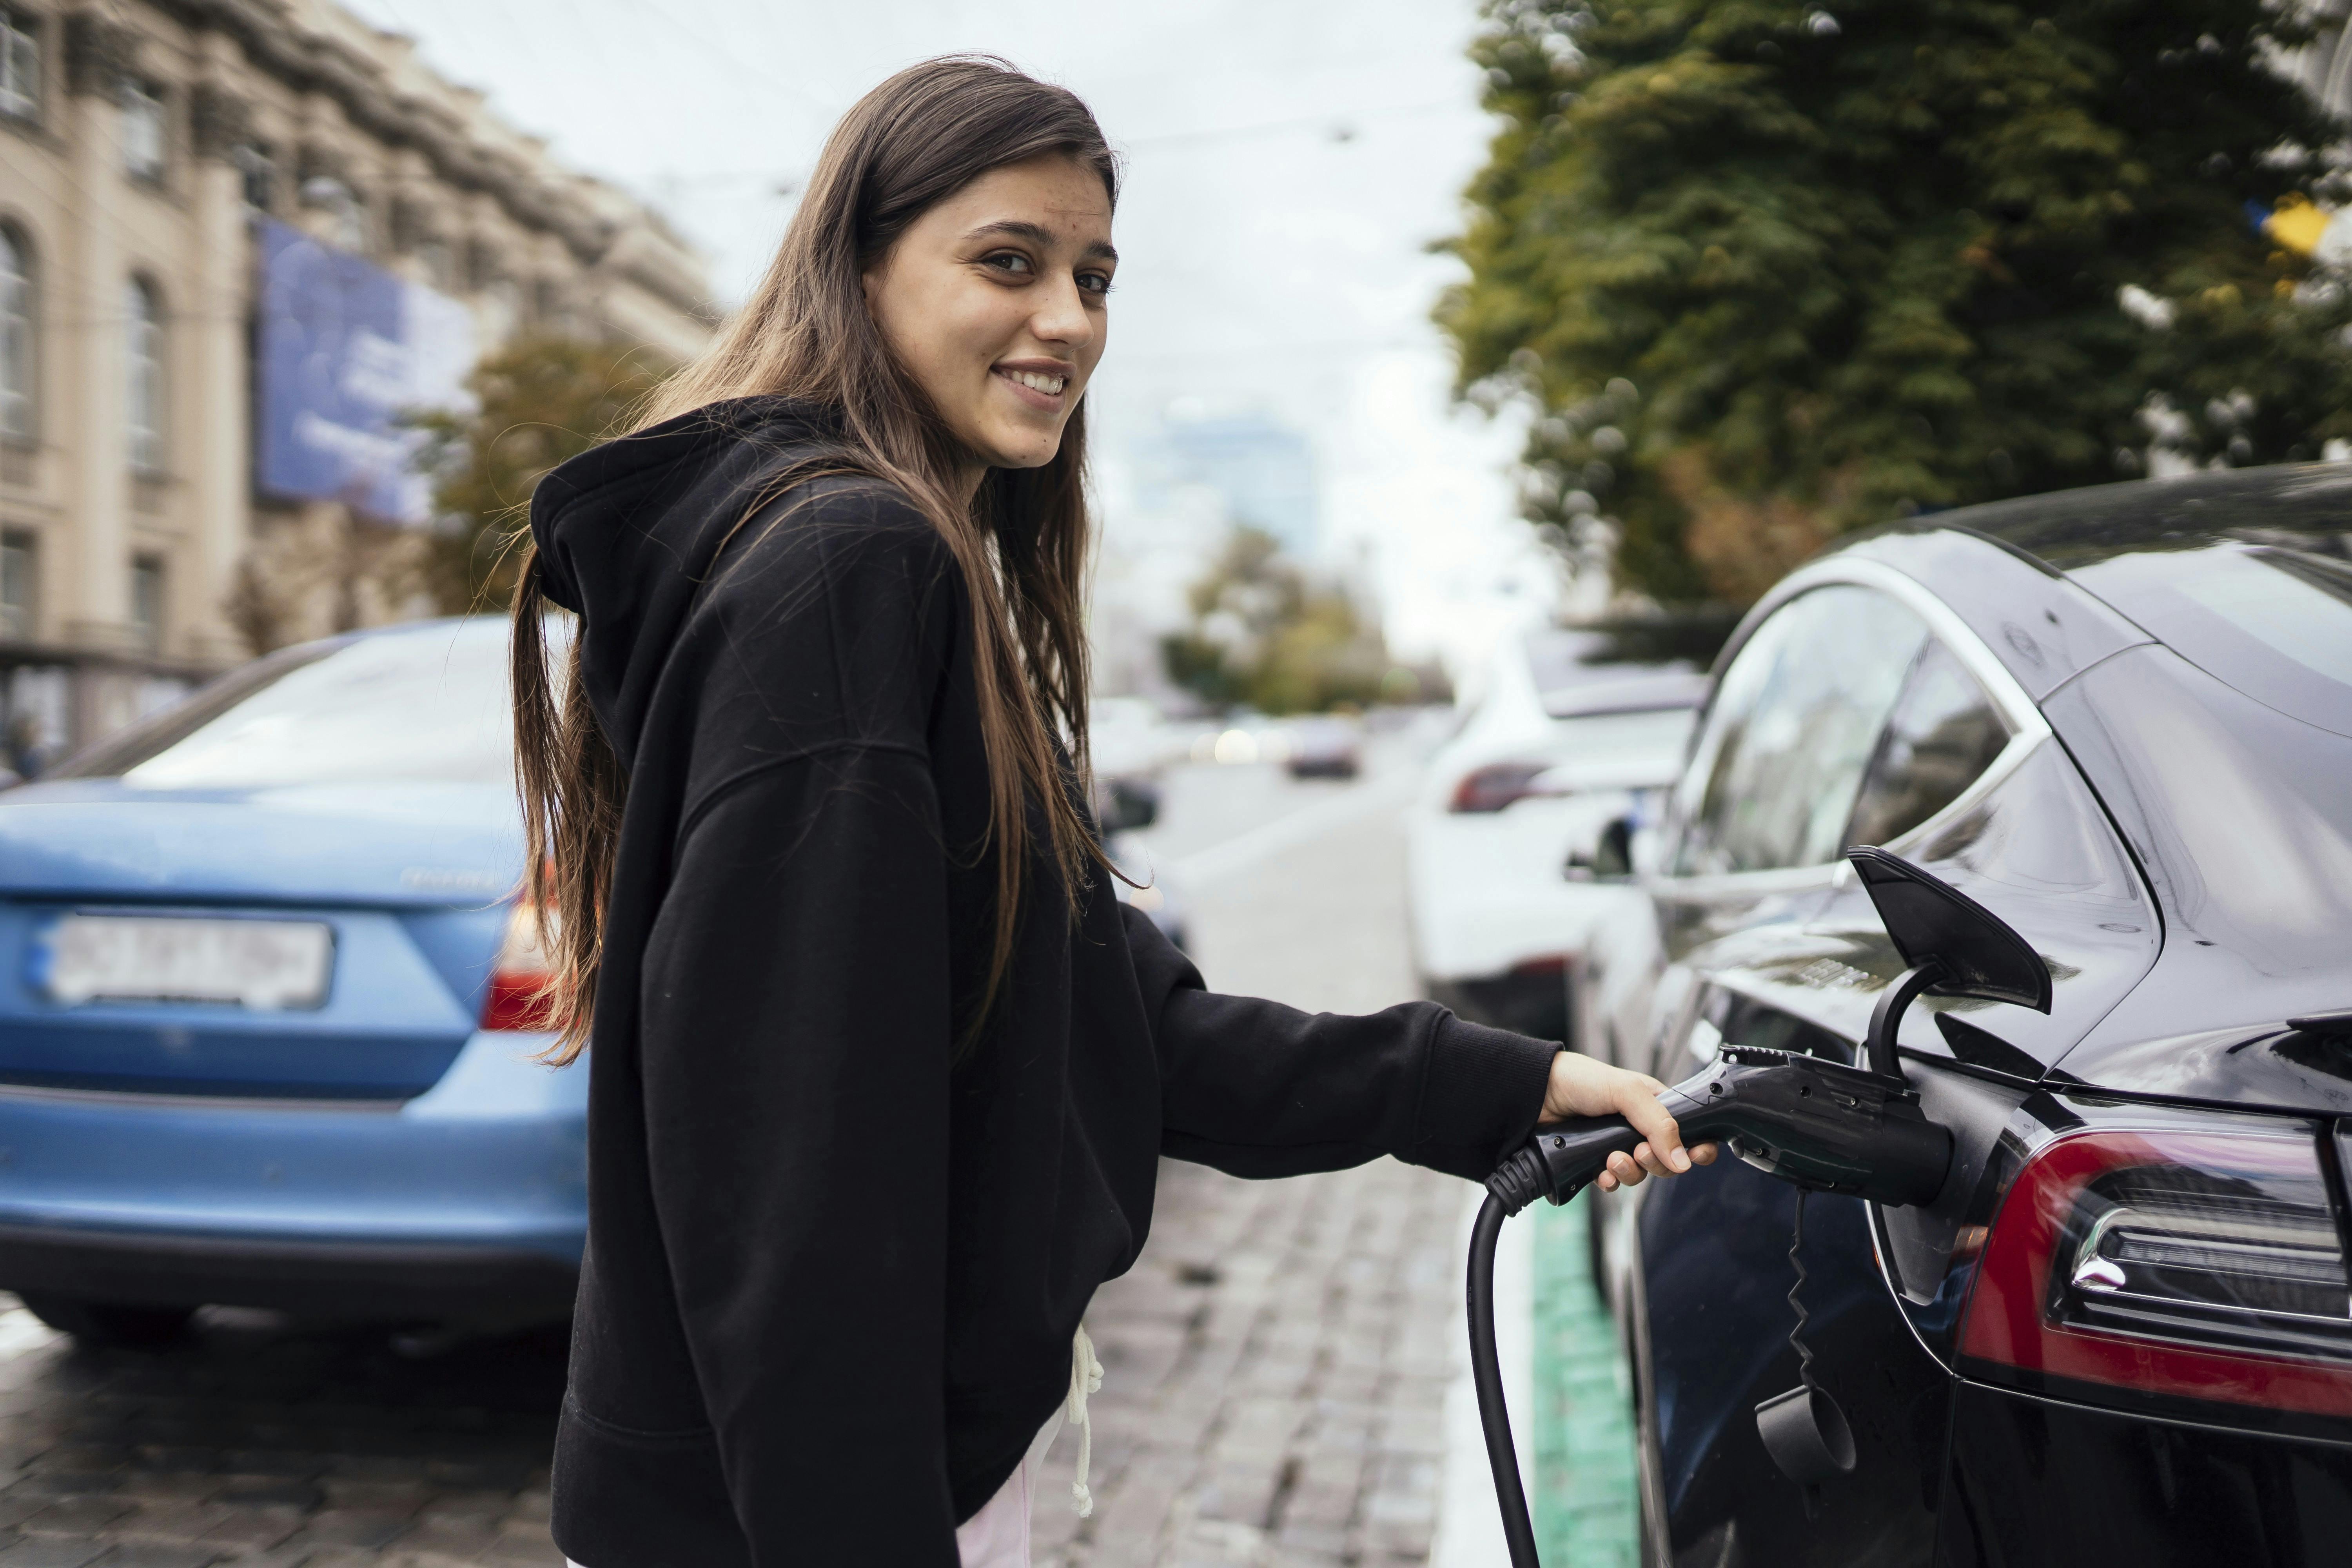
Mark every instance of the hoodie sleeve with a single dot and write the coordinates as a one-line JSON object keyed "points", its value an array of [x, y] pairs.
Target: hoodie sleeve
{"points": [[1256, 1088], [797, 1030]]}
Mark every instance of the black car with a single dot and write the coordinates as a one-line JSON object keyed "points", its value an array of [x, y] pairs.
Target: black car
{"points": [[2121, 720]]}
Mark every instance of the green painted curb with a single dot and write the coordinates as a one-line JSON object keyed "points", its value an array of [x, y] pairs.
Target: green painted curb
{"points": [[1585, 1503]]}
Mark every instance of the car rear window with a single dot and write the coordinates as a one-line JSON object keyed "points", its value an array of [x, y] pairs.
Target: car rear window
{"points": [[427, 705], [2271, 620]]}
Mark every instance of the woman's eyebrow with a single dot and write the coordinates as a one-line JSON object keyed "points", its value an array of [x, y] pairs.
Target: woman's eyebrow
{"points": [[1039, 234]]}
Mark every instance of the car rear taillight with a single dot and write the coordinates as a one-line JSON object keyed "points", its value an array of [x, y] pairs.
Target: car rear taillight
{"points": [[2172, 1262], [1496, 785], [520, 976]]}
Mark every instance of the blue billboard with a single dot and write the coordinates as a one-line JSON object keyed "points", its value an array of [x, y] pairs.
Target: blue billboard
{"points": [[347, 350]]}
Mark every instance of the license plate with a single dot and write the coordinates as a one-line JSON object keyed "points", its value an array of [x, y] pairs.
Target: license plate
{"points": [[262, 964]]}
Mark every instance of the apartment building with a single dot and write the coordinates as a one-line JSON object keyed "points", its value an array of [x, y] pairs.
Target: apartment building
{"points": [[239, 240]]}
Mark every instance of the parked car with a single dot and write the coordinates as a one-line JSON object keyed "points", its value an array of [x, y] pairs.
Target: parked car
{"points": [[1557, 750], [2121, 720], [265, 1034], [1325, 746]]}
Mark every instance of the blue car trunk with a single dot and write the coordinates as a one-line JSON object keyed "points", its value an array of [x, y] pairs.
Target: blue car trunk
{"points": [[410, 882]]}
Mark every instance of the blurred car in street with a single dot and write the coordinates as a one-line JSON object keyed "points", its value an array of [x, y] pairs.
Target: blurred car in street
{"points": [[2120, 719], [265, 1029], [1131, 738], [1323, 746], [1562, 746]]}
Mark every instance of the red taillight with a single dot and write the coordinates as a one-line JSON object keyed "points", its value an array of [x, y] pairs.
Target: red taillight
{"points": [[2205, 1265], [1496, 785], [520, 976]]}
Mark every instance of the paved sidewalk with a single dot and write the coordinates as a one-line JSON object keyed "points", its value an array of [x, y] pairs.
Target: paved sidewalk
{"points": [[255, 1446], [1274, 1381]]}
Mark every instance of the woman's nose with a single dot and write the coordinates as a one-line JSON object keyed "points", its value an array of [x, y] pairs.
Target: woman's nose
{"points": [[1063, 318]]}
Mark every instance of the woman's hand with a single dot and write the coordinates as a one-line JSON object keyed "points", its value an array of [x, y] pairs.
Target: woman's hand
{"points": [[1582, 1087]]}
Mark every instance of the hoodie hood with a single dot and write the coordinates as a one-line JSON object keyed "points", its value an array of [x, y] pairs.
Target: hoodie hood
{"points": [[627, 533]]}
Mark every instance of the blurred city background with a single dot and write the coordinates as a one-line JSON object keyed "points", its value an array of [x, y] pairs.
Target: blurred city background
{"points": [[1474, 367]]}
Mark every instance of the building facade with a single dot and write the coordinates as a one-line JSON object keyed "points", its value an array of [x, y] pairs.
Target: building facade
{"points": [[147, 150]]}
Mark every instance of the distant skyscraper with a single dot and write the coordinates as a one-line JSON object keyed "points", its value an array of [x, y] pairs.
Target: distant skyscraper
{"points": [[1265, 471]]}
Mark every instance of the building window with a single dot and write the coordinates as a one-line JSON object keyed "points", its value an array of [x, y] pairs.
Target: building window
{"points": [[17, 363], [434, 261], [145, 348], [16, 586], [20, 66], [257, 167], [481, 266], [147, 601], [142, 131]]}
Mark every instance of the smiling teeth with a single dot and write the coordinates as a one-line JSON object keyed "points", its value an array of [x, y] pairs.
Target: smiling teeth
{"points": [[1049, 384]]}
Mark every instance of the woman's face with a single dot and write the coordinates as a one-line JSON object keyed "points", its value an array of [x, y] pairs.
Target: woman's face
{"points": [[993, 301]]}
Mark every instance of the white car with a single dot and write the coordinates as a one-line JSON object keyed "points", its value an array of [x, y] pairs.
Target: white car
{"points": [[1503, 887]]}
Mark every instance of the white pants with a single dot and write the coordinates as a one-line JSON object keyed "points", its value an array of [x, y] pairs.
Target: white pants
{"points": [[998, 1535]]}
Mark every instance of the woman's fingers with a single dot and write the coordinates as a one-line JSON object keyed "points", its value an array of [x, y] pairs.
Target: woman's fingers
{"points": [[1662, 1153], [1623, 1172]]}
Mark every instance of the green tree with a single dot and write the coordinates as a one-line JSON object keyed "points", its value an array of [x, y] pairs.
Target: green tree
{"points": [[540, 401], [1267, 635], [1771, 271]]}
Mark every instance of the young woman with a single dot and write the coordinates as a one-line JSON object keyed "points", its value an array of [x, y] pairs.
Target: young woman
{"points": [[882, 1069]]}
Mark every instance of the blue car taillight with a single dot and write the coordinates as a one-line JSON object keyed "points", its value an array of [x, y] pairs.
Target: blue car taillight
{"points": [[2171, 1260]]}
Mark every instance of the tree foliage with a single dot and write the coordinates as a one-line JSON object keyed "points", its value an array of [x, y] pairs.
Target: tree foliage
{"points": [[540, 401], [1267, 636], [1771, 271]]}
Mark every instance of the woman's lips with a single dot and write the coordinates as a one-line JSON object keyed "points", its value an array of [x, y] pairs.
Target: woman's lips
{"points": [[1042, 390]]}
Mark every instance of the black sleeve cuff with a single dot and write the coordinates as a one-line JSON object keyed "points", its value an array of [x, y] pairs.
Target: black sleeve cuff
{"points": [[1484, 1091]]}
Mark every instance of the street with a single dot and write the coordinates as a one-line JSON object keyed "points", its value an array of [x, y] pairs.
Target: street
{"points": [[1275, 1365]]}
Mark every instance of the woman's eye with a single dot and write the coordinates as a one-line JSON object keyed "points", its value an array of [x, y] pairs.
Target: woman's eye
{"points": [[1011, 262], [1095, 282]]}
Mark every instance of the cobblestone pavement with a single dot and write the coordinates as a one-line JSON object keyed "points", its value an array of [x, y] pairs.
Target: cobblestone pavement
{"points": [[255, 1444], [1274, 1381], [1275, 1364]]}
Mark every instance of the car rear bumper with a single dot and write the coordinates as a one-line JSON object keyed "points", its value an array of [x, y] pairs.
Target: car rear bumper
{"points": [[325, 1279], [2043, 1481], [467, 1201]]}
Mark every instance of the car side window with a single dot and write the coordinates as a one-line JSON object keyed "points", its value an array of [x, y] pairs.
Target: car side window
{"points": [[1794, 725], [1944, 733]]}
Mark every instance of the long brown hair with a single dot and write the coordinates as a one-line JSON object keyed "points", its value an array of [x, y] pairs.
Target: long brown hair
{"points": [[1021, 543]]}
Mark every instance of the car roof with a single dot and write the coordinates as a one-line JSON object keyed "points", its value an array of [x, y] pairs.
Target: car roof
{"points": [[2308, 505], [1629, 689]]}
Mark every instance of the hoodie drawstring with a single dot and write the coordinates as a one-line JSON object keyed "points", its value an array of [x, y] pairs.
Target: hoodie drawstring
{"points": [[1086, 1377]]}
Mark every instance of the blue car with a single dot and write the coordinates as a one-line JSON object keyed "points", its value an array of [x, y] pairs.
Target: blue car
{"points": [[265, 1020]]}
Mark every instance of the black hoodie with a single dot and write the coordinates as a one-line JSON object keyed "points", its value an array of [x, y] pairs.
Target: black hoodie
{"points": [[834, 1261]]}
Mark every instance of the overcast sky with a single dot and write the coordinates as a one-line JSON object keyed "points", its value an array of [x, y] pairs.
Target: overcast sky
{"points": [[1288, 164]]}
